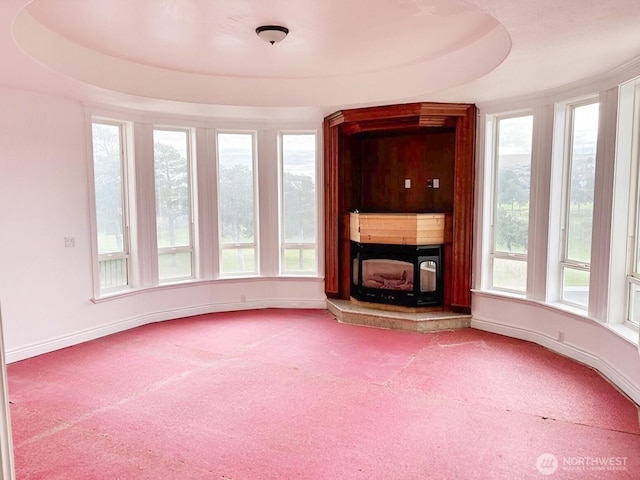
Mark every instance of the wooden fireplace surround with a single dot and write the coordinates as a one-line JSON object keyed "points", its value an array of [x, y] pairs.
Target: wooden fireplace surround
{"points": [[368, 155]]}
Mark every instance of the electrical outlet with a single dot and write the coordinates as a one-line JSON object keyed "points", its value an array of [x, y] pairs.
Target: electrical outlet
{"points": [[69, 242]]}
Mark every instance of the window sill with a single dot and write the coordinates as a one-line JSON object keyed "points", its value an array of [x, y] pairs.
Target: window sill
{"points": [[501, 293], [572, 309], [622, 330], [196, 283]]}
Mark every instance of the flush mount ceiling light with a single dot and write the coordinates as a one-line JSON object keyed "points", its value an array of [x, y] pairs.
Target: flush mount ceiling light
{"points": [[272, 33]]}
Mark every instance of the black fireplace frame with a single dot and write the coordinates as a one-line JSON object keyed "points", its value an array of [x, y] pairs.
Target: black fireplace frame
{"points": [[414, 254]]}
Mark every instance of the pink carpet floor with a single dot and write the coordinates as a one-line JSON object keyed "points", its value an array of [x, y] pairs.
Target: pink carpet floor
{"points": [[292, 394]]}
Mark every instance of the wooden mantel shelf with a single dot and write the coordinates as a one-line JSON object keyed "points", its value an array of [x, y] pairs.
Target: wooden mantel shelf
{"points": [[397, 228]]}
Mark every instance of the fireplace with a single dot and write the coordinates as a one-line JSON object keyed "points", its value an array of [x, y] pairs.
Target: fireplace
{"points": [[404, 275]]}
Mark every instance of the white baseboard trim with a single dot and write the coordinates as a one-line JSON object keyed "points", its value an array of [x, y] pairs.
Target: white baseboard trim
{"points": [[64, 341], [603, 367]]}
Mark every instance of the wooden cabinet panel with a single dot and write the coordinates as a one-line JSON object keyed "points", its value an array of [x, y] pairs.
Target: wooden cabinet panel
{"points": [[345, 254], [331, 198], [463, 212], [388, 161]]}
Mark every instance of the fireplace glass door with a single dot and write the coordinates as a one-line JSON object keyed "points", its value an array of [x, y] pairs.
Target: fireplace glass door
{"points": [[407, 275], [428, 276]]}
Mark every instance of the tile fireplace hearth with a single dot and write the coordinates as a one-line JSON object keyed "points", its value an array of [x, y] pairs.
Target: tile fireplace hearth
{"points": [[432, 320]]}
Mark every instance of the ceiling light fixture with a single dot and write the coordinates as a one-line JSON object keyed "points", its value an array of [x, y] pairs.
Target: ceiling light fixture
{"points": [[272, 33]]}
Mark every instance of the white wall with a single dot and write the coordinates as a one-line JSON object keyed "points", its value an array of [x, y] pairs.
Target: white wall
{"points": [[45, 288]]}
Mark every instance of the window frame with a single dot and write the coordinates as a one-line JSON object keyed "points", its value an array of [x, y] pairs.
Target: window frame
{"points": [[191, 248], [127, 204], [301, 246], [255, 245], [565, 263], [494, 253], [633, 225]]}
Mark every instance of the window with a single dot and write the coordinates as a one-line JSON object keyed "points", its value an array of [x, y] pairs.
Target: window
{"points": [[298, 205], [112, 219], [237, 204], [511, 185], [633, 316], [579, 177], [174, 220], [629, 150], [146, 175]]}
